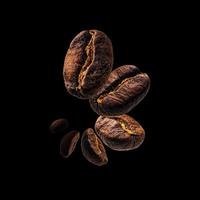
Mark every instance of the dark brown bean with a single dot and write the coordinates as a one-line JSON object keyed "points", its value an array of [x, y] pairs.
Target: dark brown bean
{"points": [[124, 89], [120, 133], [88, 63], [92, 148], [59, 125], [68, 143]]}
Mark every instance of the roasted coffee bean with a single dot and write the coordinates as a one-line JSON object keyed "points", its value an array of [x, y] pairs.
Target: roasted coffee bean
{"points": [[88, 63], [92, 148], [124, 89], [68, 143], [120, 133], [59, 125]]}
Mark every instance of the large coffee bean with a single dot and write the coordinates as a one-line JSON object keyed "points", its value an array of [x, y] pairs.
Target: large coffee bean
{"points": [[120, 133], [88, 63], [124, 89]]}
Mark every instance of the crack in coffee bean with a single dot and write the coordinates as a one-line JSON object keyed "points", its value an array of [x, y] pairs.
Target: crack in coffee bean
{"points": [[90, 58], [126, 129], [112, 90]]}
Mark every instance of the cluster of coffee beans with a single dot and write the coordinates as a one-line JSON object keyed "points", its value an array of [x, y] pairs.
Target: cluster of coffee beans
{"points": [[88, 75]]}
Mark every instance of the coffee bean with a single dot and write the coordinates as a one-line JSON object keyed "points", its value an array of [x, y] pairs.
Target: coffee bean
{"points": [[59, 125], [68, 143], [124, 89], [88, 63], [120, 133], [92, 148]]}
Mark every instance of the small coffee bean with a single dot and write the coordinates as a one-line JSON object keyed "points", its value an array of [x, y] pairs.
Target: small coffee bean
{"points": [[92, 148], [124, 89], [68, 143], [59, 125], [120, 133], [88, 63]]}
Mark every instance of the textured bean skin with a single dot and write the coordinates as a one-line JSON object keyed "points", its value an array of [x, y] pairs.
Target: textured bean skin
{"points": [[120, 133], [92, 148], [68, 143], [88, 63], [59, 125], [124, 89]]}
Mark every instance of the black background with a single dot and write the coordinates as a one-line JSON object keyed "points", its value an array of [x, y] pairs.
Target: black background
{"points": [[143, 36], [135, 41]]}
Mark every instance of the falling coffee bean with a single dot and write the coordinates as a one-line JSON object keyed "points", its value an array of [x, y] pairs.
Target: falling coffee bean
{"points": [[88, 63], [120, 133], [59, 125], [92, 148], [68, 143], [124, 89]]}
